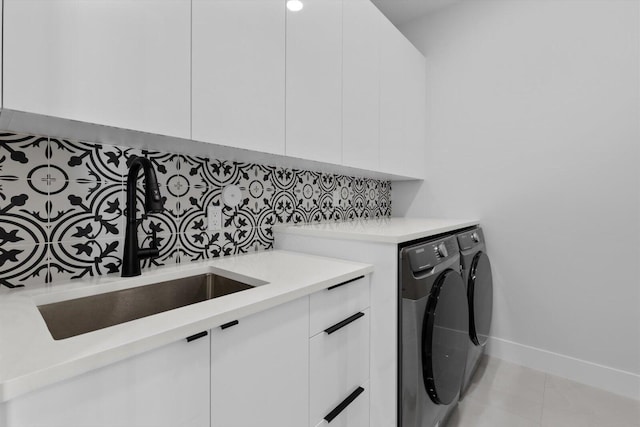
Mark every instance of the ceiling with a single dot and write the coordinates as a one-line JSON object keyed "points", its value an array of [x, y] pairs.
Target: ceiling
{"points": [[402, 11]]}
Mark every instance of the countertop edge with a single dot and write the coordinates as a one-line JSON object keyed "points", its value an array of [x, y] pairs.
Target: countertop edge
{"points": [[12, 388], [371, 237]]}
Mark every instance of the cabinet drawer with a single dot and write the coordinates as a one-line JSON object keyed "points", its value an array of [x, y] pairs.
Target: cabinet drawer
{"points": [[356, 414], [330, 306], [339, 364]]}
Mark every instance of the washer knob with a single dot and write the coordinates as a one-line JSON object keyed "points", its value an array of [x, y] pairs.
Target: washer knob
{"points": [[475, 237], [442, 250]]}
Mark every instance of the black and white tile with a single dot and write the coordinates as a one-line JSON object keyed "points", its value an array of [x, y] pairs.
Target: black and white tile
{"points": [[22, 265], [84, 258], [63, 203], [21, 154]]}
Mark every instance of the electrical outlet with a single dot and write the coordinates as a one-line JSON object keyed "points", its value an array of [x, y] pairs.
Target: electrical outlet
{"points": [[214, 217]]}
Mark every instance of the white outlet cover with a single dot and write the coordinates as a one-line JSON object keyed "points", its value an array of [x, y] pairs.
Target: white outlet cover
{"points": [[214, 218], [232, 195]]}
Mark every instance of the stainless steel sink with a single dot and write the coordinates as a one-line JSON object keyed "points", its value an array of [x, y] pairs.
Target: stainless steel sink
{"points": [[78, 316]]}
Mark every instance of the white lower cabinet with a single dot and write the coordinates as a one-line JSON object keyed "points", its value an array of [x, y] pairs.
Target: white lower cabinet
{"points": [[166, 387], [354, 415], [332, 305], [339, 365], [260, 369], [339, 356], [294, 365]]}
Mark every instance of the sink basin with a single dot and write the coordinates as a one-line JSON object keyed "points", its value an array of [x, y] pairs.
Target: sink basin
{"points": [[78, 316]]}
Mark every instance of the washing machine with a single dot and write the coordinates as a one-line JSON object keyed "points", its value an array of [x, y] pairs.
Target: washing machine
{"points": [[476, 274], [433, 330]]}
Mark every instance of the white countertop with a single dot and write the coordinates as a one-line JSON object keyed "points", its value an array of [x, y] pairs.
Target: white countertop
{"points": [[30, 358], [384, 230]]}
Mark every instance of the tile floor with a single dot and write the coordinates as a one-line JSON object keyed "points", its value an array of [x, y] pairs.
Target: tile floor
{"points": [[506, 395]]}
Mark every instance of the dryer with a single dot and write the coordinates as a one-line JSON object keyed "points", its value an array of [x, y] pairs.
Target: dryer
{"points": [[476, 274], [433, 331]]}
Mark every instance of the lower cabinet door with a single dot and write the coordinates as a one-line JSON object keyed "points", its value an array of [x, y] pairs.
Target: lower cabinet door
{"points": [[355, 414], [166, 387], [339, 365], [259, 369]]}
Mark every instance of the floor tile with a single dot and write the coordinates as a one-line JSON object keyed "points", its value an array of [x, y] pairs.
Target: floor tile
{"points": [[511, 402], [473, 414], [505, 394], [509, 378], [572, 400]]}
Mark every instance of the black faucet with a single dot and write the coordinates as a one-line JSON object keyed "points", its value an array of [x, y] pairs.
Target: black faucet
{"points": [[153, 204]]}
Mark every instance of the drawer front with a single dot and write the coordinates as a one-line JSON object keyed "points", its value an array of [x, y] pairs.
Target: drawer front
{"points": [[356, 414], [330, 306], [339, 364]]}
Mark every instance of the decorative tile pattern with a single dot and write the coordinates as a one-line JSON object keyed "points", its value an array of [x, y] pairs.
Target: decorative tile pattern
{"points": [[84, 258], [24, 213], [86, 210], [21, 154], [85, 161], [22, 265], [63, 203]]}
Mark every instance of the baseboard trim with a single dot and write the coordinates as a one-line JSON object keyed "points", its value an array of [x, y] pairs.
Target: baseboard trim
{"points": [[604, 377]]}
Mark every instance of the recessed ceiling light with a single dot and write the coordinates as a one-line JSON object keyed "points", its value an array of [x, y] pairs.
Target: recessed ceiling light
{"points": [[294, 5]]}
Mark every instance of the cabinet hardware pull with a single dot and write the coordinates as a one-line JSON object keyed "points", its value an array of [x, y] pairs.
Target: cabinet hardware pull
{"points": [[228, 325], [344, 323], [344, 283], [198, 335], [343, 405]]}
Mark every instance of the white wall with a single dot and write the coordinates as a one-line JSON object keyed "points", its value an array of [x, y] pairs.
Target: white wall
{"points": [[533, 127]]}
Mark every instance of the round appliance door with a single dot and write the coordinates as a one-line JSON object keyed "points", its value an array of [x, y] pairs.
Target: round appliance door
{"points": [[480, 296], [444, 338]]}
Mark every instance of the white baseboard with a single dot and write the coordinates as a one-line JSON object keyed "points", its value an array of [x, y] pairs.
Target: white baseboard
{"points": [[610, 379]]}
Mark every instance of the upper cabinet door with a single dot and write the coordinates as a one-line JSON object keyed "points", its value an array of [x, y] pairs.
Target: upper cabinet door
{"points": [[314, 81], [239, 73], [402, 104], [361, 81], [121, 63]]}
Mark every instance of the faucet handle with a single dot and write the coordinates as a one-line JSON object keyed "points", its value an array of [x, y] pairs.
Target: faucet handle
{"points": [[153, 251], [154, 240]]}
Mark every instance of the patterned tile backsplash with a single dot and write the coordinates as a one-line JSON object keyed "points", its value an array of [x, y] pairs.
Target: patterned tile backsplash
{"points": [[62, 207]]}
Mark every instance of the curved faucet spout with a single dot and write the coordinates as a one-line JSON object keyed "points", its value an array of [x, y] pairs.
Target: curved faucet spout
{"points": [[153, 204]]}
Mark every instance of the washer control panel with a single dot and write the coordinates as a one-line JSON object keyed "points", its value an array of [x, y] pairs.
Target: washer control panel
{"points": [[425, 256], [471, 238]]}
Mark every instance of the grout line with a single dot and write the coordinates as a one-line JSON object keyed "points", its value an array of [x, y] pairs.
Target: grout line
{"points": [[544, 390]]}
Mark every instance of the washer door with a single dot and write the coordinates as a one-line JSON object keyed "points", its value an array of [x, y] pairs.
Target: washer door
{"points": [[480, 297], [444, 338]]}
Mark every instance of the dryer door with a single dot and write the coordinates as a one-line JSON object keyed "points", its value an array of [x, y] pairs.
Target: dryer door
{"points": [[480, 297], [444, 338]]}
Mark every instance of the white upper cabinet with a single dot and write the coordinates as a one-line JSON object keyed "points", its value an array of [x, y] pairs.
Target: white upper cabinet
{"points": [[334, 82], [402, 104], [239, 73], [361, 81], [121, 63], [1, 33], [314, 81]]}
